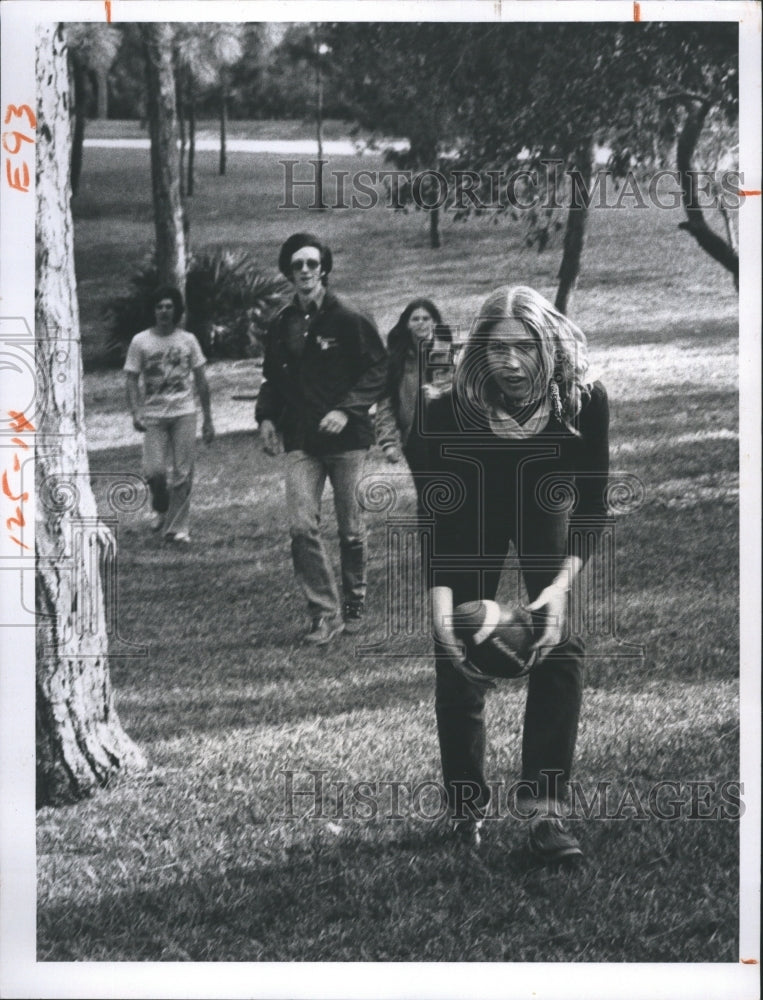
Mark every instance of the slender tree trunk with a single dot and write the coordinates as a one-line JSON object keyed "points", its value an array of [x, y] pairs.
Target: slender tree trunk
{"points": [[79, 79], [730, 235], [180, 103], [321, 205], [574, 234], [434, 228], [223, 130], [191, 141], [102, 77], [424, 156], [80, 741], [713, 244], [165, 174]]}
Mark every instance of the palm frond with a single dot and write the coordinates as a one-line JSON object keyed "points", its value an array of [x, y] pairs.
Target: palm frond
{"points": [[229, 303]]}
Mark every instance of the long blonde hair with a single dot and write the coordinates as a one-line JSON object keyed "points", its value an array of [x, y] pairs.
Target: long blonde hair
{"points": [[562, 347]]}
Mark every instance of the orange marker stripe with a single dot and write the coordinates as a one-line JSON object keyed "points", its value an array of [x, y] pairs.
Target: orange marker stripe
{"points": [[748, 194], [108, 10], [636, 11], [748, 961]]}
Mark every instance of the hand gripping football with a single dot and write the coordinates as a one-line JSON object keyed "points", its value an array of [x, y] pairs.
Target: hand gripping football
{"points": [[497, 637]]}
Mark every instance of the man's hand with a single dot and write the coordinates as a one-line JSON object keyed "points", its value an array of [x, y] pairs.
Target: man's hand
{"points": [[392, 454], [334, 422], [448, 643], [138, 423], [454, 649], [553, 603], [208, 431], [271, 441]]}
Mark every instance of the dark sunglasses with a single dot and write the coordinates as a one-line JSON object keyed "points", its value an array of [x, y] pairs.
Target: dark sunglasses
{"points": [[299, 265]]}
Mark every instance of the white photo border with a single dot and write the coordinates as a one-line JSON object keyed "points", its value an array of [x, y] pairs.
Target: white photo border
{"points": [[22, 975]]}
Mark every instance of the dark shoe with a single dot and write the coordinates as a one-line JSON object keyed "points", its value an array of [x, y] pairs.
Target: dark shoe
{"points": [[323, 630], [550, 841], [353, 617], [468, 833]]}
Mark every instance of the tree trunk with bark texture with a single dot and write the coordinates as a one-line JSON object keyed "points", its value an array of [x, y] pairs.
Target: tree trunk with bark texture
{"points": [[165, 172], [574, 234], [80, 740]]}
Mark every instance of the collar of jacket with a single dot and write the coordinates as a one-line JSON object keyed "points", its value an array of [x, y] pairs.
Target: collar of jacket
{"points": [[329, 301]]}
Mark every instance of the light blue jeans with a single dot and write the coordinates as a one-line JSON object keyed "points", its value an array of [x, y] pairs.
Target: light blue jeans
{"points": [[169, 444], [305, 481]]}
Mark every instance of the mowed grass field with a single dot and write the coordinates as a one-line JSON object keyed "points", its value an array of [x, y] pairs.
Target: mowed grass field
{"points": [[201, 857]]}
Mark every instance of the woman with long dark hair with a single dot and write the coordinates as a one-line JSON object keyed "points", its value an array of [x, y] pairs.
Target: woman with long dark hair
{"points": [[420, 348], [523, 429]]}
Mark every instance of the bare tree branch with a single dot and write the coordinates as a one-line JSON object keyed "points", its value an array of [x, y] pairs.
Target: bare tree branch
{"points": [[695, 223]]}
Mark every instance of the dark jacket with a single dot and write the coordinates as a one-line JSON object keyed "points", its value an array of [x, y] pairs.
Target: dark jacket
{"points": [[527, 491], [397, 415], [330, 359]]}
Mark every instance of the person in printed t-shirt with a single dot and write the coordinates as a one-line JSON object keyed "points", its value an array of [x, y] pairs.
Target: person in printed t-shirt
{"points": [[169, 361], [324, 367]]}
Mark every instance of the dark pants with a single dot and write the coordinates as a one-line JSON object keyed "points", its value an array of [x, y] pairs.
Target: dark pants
{"points": [[554, 694], [413, 450]]}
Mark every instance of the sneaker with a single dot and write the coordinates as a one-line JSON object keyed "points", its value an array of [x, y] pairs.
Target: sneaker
{"points": [[468, 833], [181, 537], [550, 841], [323, 630], [353, 617]]}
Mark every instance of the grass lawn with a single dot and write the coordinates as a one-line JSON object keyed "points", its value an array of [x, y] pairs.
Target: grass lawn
{"points": [[200, 857]]}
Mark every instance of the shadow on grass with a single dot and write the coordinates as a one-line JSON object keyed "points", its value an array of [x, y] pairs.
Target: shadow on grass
{"points": [[412, 895], [224, 625], [153, 713]]}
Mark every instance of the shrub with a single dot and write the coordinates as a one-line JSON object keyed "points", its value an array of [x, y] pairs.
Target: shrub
{"points": [[229, 302]]}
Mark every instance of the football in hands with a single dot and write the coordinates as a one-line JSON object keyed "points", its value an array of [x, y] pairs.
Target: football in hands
{"points": [[497, 637]]}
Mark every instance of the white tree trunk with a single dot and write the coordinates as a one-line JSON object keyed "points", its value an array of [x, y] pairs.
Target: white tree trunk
{"points": [[80, 741]]}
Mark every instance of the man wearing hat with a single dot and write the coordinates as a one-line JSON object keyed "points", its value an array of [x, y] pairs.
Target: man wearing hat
{"points": [[324, 366]]}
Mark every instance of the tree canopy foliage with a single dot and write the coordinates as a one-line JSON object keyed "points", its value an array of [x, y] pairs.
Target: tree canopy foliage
{"points": [[496, 97], [488, 96]]}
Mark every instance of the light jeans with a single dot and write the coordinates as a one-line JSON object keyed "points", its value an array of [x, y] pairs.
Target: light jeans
{"points": [[169, 444], [305, 481]]}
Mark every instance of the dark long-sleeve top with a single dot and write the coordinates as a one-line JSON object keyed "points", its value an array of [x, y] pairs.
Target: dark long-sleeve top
{"points": [[396, 412], [397, 415], [527, 491], [331, 358]]}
